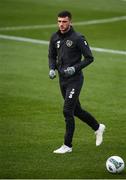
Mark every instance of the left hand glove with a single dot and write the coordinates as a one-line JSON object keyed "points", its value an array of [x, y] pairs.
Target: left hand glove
{"points": [[69, 71]]}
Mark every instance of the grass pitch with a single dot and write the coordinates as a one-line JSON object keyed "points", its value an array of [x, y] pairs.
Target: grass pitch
{"points": [[31, 120]]}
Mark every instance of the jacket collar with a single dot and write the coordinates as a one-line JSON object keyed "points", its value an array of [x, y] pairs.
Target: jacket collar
{"points": [[63, 35]]}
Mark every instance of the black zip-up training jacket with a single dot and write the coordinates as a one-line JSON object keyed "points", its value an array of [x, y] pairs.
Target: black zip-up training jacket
{"points": [[67, 49]]}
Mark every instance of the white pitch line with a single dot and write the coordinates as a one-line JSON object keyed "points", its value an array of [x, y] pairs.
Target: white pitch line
{"points": [[15, 38], [13, 28], [90, 22], [112, 51], [43, 42], [100, 21]]}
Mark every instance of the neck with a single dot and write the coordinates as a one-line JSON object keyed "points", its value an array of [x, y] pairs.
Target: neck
{"points": [[63, 32]]}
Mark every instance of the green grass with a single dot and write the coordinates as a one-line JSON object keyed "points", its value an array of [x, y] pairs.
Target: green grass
{"points": [[31, 120]]}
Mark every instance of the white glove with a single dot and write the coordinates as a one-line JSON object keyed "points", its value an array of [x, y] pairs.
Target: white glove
{"points": [[52, 74], [69, 71]]}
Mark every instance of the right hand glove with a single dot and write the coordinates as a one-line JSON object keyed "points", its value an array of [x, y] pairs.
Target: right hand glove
{"points": [[52, 74]]}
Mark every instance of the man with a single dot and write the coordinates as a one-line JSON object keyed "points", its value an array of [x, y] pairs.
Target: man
{"points": [[65, 51]]}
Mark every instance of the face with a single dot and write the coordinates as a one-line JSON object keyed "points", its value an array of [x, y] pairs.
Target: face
{"points": [[64, 24]]}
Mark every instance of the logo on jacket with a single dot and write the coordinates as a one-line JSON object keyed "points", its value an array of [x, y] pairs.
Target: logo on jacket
{"points": [[69, 43], [58, 44], [72, 93]]}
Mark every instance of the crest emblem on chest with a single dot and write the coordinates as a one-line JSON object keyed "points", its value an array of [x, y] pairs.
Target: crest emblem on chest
{"points": [[69, 43]]}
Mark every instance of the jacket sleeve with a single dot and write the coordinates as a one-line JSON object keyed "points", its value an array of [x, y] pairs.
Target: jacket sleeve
{"points": [[84, 48], [52, 54]]}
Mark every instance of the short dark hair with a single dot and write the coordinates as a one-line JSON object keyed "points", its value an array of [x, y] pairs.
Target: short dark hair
{"points": [[65, 14]]}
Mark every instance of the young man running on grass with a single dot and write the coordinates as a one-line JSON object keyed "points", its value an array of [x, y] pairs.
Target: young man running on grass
{"points": [[65, 51]]}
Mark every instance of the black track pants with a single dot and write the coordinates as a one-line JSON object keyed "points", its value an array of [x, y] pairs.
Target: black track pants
{"points": [[70, 91]]}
